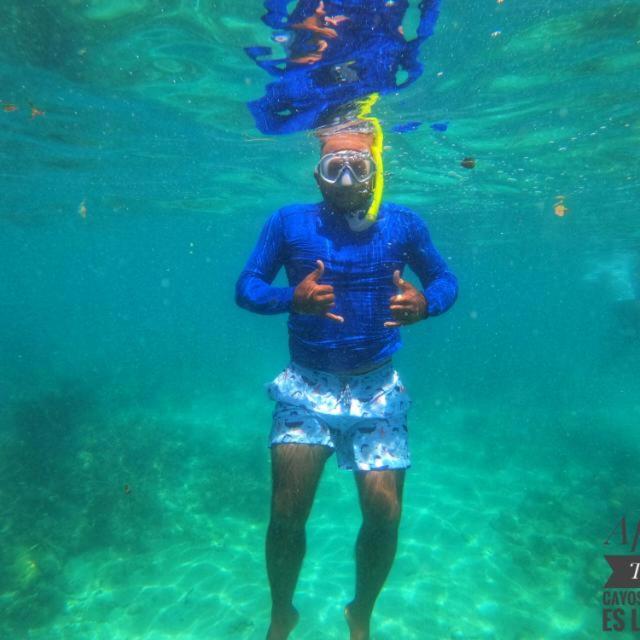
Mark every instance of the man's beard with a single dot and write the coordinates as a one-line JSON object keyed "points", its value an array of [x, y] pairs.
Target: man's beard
{"points": [[351, 203]]}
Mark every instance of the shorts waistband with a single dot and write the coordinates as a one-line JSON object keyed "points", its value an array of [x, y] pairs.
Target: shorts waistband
{"points": [[344, 377]]}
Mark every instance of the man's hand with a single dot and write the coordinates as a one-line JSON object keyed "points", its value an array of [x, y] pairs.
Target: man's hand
{"points": [[408, 306], [313, 298]]}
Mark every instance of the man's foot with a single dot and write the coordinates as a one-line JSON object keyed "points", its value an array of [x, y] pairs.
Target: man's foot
{"points": [[282, 624], [358, 623]]}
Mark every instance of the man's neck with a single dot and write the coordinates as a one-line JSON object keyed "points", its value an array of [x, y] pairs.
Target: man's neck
{"points": [[355, 218], [358, 220]]}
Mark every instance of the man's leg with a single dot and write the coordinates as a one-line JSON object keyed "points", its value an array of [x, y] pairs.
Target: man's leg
{"points": [[296, 470], [381, 503]]}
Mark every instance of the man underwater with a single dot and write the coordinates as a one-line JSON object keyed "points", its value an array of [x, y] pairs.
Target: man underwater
{"points": [[346, 301]]}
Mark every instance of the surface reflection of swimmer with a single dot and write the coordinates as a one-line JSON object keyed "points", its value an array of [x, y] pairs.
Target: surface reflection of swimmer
{"points": [[319, 28], [620, 277], [335, 52], [346, 302]]}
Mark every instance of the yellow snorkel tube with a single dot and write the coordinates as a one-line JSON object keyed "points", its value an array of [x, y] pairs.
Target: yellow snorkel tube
{"points": [[376, 151]]}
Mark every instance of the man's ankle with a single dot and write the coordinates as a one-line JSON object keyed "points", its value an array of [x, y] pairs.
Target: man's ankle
{"points": [[359, 612]]}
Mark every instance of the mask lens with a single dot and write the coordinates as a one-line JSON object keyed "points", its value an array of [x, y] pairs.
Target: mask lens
{"points": [[361, 167], [332, 167]]}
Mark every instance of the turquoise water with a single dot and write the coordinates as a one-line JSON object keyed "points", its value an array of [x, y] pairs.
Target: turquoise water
{"points": [[134, 474]]}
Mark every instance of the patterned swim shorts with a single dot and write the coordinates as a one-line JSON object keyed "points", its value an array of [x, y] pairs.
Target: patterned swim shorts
{"points": [[363, 418]]}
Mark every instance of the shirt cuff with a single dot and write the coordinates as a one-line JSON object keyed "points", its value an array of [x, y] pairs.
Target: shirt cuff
{"points": [[287, 298], [433, 304]]}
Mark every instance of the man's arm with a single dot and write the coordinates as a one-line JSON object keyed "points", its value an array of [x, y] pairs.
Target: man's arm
{"points": [[440, 286], [253, 289]]}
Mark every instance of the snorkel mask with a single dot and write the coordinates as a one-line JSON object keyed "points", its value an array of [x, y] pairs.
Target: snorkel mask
{"points": [[333, 165]]}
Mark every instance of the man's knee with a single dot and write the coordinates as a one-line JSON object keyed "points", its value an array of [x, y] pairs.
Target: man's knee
{"points": [[382, 512], [296, 472], [381, 498], [289, 510]]}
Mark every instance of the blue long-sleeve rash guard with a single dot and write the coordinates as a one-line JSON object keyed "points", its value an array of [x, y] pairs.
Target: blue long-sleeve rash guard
{"points": [[359, 266]]}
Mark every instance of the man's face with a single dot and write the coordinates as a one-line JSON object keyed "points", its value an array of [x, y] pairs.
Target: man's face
{"points": [[340, 178]]}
